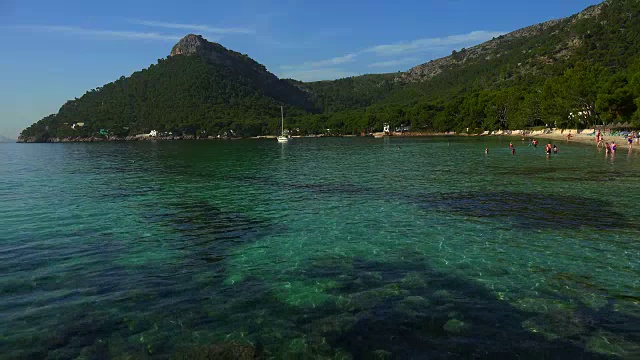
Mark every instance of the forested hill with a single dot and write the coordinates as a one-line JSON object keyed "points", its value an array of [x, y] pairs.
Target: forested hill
{"points": [[588, 63], [201, 88]]}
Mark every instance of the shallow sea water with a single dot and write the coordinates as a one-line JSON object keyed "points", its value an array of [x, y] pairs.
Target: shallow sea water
{"points": [[337, 248]]}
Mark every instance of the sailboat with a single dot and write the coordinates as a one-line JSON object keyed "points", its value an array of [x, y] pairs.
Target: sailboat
{"points": [[282, 138]]}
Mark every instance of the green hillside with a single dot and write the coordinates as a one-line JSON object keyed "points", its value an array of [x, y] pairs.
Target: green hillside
{"points": [[535, 76], [588, 63], [203, 90]]}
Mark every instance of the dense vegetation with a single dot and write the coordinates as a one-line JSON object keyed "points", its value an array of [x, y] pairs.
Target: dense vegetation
{"points": [[182, 95], [585, 65]]}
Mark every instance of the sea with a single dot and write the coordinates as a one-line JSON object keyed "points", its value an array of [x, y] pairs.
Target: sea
{"points": [[320, 248]]}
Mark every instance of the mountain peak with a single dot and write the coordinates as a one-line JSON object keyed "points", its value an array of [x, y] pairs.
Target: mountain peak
{"points": [[193, 44]]}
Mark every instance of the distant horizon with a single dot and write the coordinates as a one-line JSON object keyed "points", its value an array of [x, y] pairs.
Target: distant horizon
{"points": [[305, 42], [4, 138]]}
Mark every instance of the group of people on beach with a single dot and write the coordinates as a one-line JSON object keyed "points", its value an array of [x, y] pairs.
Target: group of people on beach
{"points": [[552, 148]]}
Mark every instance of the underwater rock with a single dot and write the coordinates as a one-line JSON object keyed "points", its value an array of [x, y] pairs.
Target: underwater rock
{"points": [[606, 343], [541, 305], [381, 355], [556, 324], [414, 280], [442, 294], [232, 350], [413, 306], [455, 326], [334, 324], [370, 298]]}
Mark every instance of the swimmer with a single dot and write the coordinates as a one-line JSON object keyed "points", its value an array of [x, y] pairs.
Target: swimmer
{"points": [[486, 150], [513, 151], [555, 149]]}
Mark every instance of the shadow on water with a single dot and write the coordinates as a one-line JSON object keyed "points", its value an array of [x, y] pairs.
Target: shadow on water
{"points": [[384, 310], [376, 309], [127, 300], [526, 210], [531, 210], [207, 229]]}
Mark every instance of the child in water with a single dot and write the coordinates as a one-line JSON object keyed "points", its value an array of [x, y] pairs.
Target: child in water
{"points": [[486, 150], [555, 149], [613, 147]]}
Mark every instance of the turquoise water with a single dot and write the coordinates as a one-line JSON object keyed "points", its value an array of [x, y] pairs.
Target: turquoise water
{"points": [[319, 248]]}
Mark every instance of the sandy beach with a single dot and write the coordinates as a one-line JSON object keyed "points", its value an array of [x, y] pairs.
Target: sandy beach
{"points": [[581, 136]]}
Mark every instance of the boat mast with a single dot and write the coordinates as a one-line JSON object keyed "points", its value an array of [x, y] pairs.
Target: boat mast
{"points": [[282, 114]]}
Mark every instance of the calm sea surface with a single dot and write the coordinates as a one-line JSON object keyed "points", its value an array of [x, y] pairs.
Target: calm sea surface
{"points": [[319, 248]]}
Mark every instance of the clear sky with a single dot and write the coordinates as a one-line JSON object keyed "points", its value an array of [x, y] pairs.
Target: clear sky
{"points": [[53, 51]]}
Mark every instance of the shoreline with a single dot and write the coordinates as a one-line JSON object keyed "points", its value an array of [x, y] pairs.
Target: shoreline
{"points": [[34, 140], [557, 135], [584, 139]]}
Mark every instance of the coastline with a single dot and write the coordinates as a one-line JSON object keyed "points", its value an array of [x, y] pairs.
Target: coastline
{"points": [[33, 139], [583, 137]]}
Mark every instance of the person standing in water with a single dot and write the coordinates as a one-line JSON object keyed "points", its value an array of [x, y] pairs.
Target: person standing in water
{"points": [[555, 149], [486, 150], [613, 147], [630, 140]]}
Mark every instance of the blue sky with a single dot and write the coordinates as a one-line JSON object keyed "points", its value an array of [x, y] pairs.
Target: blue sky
{"points": [[53, 51]]}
